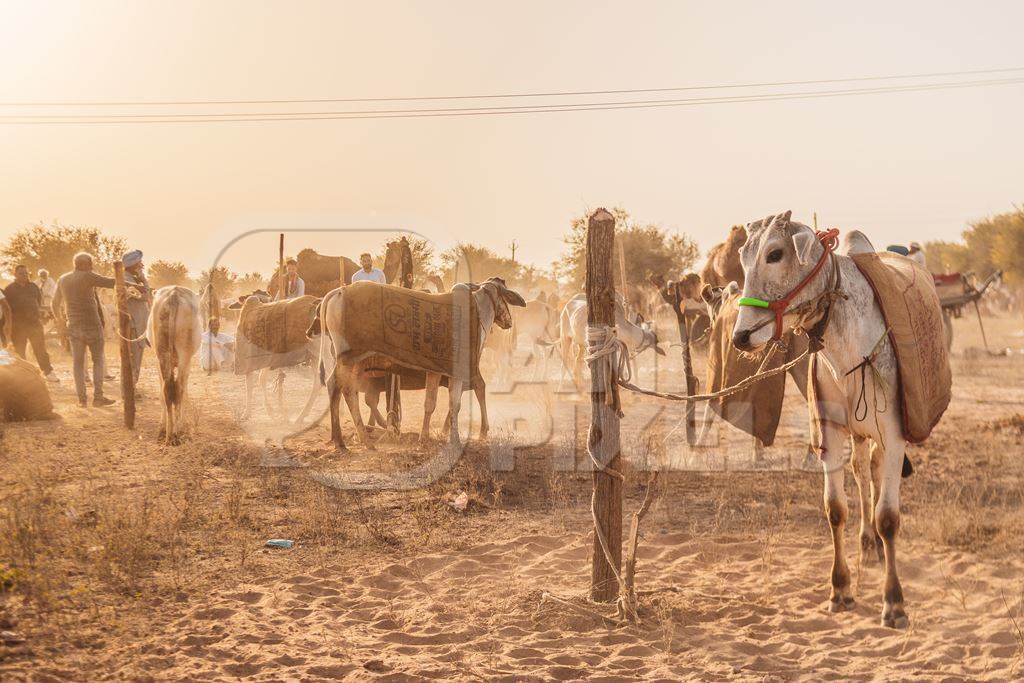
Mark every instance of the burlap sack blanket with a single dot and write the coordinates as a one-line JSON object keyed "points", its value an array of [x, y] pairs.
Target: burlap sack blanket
{"points": [[906, 294], [273, 335], [429, 332], [23, 391], [758, 409]]}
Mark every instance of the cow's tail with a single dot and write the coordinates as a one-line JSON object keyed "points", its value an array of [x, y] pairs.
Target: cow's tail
{"points": [[165, 345]]}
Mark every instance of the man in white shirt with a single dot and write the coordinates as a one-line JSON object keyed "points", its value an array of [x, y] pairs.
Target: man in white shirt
{"points": [[295, 286], [916, 253], [368, 272], [48, 286], [216, 350]]}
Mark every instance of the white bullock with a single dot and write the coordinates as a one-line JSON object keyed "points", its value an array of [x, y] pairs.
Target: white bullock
{"points": [[174, 332]]}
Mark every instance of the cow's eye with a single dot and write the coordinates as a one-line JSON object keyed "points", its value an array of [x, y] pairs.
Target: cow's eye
{"points": [[774, 256]]}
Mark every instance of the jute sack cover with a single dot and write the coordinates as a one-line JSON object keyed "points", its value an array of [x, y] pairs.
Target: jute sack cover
{"points": [[273, 335], [906, 294], [429, 332], [757, 409], [23, 391]]}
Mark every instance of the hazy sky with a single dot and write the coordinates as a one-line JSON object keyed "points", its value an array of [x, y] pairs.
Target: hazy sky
{"points": [[899, 166]]}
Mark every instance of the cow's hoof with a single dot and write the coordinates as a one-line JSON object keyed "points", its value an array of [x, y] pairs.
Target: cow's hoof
{"points": [[841, 603], [894, 617], [869, 548]]}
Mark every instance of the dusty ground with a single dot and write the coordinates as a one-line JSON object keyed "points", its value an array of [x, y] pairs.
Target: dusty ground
{"points": [[126, 559]]}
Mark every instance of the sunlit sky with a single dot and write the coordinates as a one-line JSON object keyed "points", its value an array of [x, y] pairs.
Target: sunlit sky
{"points": [[901, 167]]}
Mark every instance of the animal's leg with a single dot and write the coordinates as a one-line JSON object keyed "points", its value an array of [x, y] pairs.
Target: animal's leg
{"points": [[262, 380], [166, 395], [759, 459], [454, 403], [480, 389], [429, 402], [836, 510], [869, 541], [704, 440], [314, 390], [346, 379], [334, 399], [877, 456], [372, 401], [577, 367], [279, 390], [887, 522], [184, 367], [249, 389]]}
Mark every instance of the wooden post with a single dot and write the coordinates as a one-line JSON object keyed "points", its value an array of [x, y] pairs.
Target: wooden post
{"points": [[282, 276], [679, 305], [603, 439], [393, 380], [124, 326]]}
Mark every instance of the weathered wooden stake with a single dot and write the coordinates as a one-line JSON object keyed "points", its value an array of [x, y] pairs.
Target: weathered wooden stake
{"points": [[393, 381], [124, 326], [679, 304], [603, 439], [282, 276]]}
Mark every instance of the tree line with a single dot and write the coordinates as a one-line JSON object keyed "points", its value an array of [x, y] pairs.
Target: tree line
{"points": [[647, 249], [987, 245]]}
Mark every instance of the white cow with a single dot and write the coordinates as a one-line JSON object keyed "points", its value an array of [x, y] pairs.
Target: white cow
{"points": [[638, 336], [173, 332], [538, 322], [777, 256]]}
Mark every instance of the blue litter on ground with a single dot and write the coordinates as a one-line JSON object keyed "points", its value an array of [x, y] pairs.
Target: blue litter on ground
{"points": [[279, 543]]}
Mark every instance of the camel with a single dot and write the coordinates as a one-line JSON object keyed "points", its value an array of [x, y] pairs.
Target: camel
{"points": [[723, 265]]}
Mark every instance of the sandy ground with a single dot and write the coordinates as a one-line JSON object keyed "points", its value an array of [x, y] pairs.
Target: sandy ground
{"points": [[128, 559]]}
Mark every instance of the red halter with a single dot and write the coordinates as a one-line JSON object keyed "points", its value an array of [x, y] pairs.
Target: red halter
{"points": [[829, 241]]}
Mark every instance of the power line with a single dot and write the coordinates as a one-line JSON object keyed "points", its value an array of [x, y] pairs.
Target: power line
{"points": [[568, 93], [256, 117]]}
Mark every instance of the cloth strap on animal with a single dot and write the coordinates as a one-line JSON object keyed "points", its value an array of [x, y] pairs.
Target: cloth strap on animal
{"points": [[829, 241]]}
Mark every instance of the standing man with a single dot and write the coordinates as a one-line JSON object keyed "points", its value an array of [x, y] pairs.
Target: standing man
{"points": [[48, 286], [76, 306], [368, 272], [140, 298], [295, 286], [5, 321], [916, 253], [26, 301], [216, 350]]}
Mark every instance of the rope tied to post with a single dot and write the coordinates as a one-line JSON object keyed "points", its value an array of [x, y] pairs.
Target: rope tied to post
{"points": [[609, 353]]}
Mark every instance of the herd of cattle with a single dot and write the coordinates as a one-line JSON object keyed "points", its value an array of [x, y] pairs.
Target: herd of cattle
{"points": [[876, 313], [268, 338]]}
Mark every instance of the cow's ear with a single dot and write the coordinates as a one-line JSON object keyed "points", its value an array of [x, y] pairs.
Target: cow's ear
{"points": [[658, 280], [512, 298], [707, 294], [802, 243]]}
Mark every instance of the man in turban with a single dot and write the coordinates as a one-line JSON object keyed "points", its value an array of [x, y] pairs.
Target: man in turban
{"points": [[140, 297]]}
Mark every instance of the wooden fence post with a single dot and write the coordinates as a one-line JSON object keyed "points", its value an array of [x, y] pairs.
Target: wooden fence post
{"points": [[282, 281], [603, 439], [393, 380], [124, 327]]}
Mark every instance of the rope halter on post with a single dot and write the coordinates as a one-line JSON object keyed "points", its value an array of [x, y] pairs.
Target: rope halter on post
{"points": [[606, 349]]}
